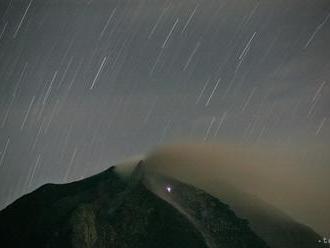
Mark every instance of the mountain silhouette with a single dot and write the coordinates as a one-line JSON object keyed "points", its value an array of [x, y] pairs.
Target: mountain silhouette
{"points": [[107, 210]]}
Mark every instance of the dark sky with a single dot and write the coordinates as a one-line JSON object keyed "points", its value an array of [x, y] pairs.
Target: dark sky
{"points": [[85, 84]]}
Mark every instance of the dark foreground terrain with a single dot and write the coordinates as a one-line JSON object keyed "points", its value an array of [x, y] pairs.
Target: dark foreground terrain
{"points": [[108, 211]]}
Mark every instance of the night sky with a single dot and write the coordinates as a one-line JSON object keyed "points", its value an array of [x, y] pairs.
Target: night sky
{"points": [[85, 84]]}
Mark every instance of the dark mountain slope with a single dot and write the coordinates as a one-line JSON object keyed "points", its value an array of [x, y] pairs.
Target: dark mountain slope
{"points": [[106, 211], [41, 216]]}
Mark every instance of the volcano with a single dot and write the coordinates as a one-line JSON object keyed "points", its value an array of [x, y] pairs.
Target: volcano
{"points": [[143, 210]]}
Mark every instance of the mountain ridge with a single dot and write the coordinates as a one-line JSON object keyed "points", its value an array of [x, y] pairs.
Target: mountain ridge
{"points": [[107, 210]]}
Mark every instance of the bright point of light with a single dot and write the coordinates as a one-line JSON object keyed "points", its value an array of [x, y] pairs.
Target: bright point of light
{"points": [[168, 188]]}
